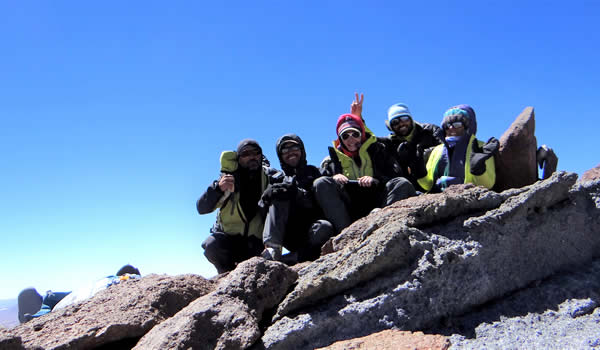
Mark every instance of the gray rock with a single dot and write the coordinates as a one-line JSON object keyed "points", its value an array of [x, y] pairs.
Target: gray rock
{"points": [[560, 312], [516, 160], [229, 317], [118, 315], [455, 263]]}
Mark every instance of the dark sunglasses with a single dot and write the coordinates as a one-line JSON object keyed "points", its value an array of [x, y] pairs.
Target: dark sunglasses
{"points": [[252, 153], [397, 120], [289, 149], [455, 125], [354, 134]]}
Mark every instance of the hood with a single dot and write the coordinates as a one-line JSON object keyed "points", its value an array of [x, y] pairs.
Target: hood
{"points": [[290, 137], [464, 113]]}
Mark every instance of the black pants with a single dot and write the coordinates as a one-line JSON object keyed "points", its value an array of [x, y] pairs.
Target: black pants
{"points": [[296, 229], [225, 251], [344, 204]]}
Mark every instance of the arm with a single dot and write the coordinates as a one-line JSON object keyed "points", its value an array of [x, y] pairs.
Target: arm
{"points": [[207, 203]]}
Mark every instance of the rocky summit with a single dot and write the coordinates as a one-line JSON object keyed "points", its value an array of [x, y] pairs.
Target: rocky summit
{"points": [[461, 266]]}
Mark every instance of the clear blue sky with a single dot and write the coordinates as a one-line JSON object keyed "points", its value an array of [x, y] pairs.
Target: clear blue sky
{"points": [[114, 113]]}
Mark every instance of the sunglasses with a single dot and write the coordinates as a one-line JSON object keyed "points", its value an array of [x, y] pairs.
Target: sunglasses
{"points": [[354, 134], [455, 125], [397, 120], [289, 149], [249, 153]]}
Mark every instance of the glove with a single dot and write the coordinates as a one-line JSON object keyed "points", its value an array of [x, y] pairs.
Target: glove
{"points": [[443, 182], [418, 167], [406, 153], [479, 156], [278, 191]]}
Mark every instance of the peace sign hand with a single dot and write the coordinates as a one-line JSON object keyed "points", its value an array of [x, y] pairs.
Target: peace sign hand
{"points": [[356, 106]]}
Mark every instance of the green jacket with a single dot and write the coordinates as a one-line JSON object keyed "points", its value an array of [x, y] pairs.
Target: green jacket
{"points": [[349, 167], [487, 179], [231, 218]]}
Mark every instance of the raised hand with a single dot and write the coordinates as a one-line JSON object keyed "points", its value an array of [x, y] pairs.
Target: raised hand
{"points": [[356, 106], [227, 183]]}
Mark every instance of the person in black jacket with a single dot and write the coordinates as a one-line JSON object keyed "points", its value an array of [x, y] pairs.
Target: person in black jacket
{"points": [[294, 219], [408, 140], [237, 234]]}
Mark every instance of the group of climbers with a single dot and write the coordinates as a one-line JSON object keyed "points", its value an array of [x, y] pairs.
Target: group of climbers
{"points": [[262, 210]]}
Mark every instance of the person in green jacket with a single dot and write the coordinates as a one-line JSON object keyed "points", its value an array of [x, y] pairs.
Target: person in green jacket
{"points": [[461, 158], [237, 234], [359, 175]]}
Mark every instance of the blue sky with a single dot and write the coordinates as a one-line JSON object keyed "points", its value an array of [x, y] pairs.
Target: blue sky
{"points": [[114, 114]]}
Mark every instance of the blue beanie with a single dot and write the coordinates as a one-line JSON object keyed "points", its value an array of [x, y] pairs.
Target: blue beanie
{"points": [[398, 110]]}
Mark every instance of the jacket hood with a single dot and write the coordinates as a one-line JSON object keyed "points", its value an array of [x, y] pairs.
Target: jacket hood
{"points": [[290, 137], [464, 113], [248, 142]]}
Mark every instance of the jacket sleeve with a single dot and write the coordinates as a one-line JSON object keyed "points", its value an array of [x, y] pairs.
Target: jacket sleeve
{"points": [[332, 166], [383, 168], [488, 178], [207, 203], [304, 196]]}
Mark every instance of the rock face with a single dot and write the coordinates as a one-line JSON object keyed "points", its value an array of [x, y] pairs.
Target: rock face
{"points": [[115, 317], [229, 317], [592, 174], [467, 246], [393, 340], [429, 263], [518, 147]]}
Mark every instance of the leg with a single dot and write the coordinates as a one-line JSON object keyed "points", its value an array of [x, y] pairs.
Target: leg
{"points": [[397, 189], [219, 250], [275, 223], [329, 197], [318, 234]]}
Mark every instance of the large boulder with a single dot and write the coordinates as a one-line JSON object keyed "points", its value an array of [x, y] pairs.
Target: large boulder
{"points": [[516, 164], [592, 174], [390, 339], [229, 317], [117, 316], [467, 246]]}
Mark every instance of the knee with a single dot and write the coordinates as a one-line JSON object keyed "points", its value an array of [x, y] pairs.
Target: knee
{"points": [[321, 231], [400, 184], [323, 182]]}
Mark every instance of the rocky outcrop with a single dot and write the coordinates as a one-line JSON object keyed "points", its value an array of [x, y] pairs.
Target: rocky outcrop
{"points": [[592, 174], [518, 147], [397, 340], [421, 264], [229, 317], [467, 246], [116, 317]]}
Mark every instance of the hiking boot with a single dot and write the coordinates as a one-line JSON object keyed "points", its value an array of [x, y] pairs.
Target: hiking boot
{"points": [[272, 253]]}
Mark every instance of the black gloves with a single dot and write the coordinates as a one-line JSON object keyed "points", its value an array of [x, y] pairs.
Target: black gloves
{"points": [[418, 167], [480, 155], [279, 191], [406, 153]]}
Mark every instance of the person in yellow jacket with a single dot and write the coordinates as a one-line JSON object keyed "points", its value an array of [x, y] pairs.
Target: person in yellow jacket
{"points": [[461, 158], [237, 234]]}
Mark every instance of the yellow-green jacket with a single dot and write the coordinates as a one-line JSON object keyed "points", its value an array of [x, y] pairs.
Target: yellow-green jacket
{"points": [[231, 218], [435, 169]]}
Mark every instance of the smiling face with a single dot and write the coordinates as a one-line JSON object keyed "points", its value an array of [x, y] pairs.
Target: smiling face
{"points": [[351, 139], [402, 126], [250, 158], [455, 129], [291, 153]]}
